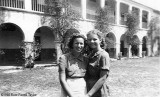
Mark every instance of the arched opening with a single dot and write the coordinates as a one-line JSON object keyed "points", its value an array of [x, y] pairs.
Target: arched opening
{"points": [[144, 45], [135, 49], [110, 41], [123, 45], [45, 37], [11, 37]]}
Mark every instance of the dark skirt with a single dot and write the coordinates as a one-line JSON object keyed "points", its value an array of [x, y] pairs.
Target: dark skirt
{"points": [[102, 92]]}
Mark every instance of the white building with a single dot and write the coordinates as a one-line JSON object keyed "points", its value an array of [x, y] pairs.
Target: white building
{"points": [[23, 22]]}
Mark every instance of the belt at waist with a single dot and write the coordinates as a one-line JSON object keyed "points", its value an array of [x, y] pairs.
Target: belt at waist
{"points": [[74, 77]]}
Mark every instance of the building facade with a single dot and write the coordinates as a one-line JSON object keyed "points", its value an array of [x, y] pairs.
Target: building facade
{"points": [[21, 21]]}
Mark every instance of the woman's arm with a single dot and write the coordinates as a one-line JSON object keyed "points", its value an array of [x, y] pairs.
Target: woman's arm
{"points": [[62, 76], [104, 63], [99, 83]]}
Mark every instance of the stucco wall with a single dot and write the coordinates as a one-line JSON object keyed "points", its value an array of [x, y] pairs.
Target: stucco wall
{"points": [[28, 22]]}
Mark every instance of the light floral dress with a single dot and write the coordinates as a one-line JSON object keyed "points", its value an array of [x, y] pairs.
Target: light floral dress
{"points": [[75, 68]]}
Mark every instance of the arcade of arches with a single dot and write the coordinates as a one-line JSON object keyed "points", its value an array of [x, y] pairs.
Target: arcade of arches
{"points": [[11, 37], [135, 49], [124, 48], [45, 37], [110, 44]]}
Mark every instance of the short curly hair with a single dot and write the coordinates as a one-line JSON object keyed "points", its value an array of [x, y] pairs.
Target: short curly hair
{"points": [[73, 37]]}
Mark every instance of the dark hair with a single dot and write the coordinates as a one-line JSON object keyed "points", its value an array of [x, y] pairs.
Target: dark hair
{"points": [[73, 37]]}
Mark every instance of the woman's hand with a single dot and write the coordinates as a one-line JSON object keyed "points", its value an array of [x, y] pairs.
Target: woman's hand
{"points": [[87, 95]]}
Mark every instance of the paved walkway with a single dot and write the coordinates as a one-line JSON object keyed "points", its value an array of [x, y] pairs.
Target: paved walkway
{"points": [[48, 64], [19, 67]]}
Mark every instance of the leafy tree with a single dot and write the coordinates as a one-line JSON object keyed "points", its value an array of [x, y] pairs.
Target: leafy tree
{"points": [[154, 31], [30, 52], [132, 23], [61, 18], [2, 15], [102, 23], [102, 19]]}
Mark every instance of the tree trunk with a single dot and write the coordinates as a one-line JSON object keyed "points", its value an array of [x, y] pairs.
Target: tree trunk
{"points": [[58, 51], [152, 45], [29, 55]]}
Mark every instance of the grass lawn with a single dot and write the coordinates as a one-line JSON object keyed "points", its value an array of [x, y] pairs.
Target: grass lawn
{"points": [[128, 78], [135, 78]]}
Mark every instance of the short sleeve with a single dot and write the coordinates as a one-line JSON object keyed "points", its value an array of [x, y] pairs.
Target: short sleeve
{"points": [[104, 61], [62, 63]]}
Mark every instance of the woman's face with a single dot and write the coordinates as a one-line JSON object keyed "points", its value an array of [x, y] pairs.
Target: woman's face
{"points": [[93, 41], [78, 44]]}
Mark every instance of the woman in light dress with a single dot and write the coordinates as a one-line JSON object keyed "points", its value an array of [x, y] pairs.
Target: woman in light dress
{"points": [[72, 68]]}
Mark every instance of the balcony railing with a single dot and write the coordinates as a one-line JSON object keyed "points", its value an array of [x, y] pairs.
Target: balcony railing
{"points": [[12, 3], [38, 5]]}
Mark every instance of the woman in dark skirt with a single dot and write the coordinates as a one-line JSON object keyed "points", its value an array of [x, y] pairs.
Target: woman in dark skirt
{"points": [[98, 67]]}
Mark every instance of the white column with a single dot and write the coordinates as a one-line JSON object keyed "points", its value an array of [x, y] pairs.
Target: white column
{"points": [[117, 49], [83, 7], [129, 54], [149, 18], [140, 50], [28, 49], [130, 7], [140, 18], [28, 4], [102, 3], [148, 49], [117, 12]]}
